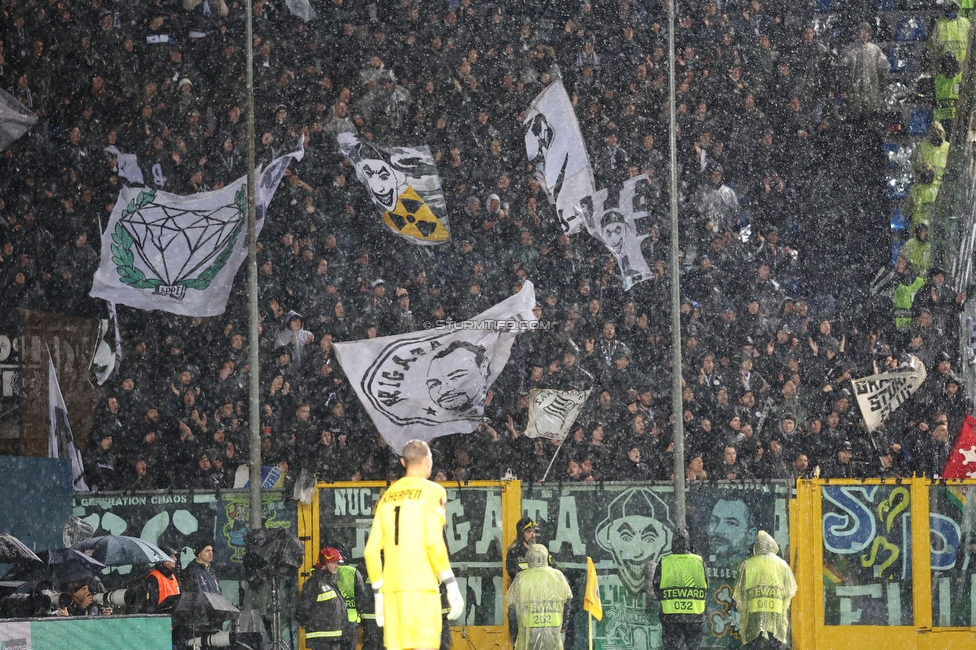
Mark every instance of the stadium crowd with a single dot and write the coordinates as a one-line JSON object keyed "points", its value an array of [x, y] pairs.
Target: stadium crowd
{"points": [[787, 282]]}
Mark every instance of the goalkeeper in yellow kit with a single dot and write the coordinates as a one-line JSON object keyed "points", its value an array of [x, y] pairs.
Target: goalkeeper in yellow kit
{"points": [[408, 529]]}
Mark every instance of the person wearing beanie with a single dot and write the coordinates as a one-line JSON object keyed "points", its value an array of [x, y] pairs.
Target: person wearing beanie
{"points": [[199, 576], [680, 586], [538, 603], [162, 584], [763, 593], [321, 607]]}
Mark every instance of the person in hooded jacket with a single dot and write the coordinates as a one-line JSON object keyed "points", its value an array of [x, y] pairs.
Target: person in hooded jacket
{"points": [[762, 595], [163, 585], [538, 601]]}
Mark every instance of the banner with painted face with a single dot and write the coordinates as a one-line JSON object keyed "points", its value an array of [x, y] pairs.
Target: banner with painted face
{"points": [[402, 182], [625, 528], [613, 221], [433, 383], [554, 145]]}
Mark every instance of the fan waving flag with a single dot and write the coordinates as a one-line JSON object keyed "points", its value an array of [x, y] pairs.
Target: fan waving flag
{"points": [[403, 184], [879, 395], [554, 145], [180, 253], [962, 460], [61, 442], [433, 383], [591, 599]]}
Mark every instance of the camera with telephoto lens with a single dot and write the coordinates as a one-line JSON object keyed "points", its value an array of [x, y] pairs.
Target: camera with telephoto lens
{"points": [[215, 640], [37, 603], [117, 598]]}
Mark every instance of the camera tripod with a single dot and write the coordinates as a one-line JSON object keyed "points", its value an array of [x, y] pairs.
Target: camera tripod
{"points": [[276, 641]]}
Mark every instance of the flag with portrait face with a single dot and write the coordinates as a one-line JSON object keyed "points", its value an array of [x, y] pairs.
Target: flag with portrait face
{"points": [[433, 383], [614, 221], [403, 184], [554, 145]]}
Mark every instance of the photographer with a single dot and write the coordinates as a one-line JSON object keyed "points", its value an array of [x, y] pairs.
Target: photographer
{"points": [[82, 602], [162, 585]]}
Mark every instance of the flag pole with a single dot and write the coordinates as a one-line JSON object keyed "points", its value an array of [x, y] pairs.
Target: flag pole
{"points": [[589, 625], [254, 393], [677, 407], [543, 480]]}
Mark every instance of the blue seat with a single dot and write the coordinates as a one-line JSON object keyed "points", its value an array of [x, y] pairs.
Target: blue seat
{"points": [[901, 58], [887, 5], [910, 28], [895, 249], [898, 220], [920, 122]]}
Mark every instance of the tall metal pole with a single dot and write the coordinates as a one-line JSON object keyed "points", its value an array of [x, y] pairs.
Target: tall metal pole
{"points": [[254, 401], [677, 407]]}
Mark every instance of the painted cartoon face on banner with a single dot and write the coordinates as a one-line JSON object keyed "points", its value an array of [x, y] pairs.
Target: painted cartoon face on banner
{"points": [[636, 530], [403, 183], [432, 379]]}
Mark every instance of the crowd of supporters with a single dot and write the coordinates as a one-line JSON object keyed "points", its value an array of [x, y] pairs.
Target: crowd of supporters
{"points": [[787, 283]]}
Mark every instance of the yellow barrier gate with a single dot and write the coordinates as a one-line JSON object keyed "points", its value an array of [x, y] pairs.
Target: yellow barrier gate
{"points": [[884, 564], [481, 518]]}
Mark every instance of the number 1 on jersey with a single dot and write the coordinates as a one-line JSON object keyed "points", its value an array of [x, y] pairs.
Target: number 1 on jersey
{"points": [[396, 526]]}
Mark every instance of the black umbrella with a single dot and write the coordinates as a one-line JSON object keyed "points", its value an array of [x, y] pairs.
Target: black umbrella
{"points": [[197, 608], [119, 550], [14, 550]]}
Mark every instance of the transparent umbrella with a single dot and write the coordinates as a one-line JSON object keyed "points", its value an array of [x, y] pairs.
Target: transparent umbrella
{"points": [[119, 550]]}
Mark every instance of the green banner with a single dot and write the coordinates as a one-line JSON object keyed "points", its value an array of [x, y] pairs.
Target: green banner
{"points": [[623, 527], [952, 526], [84, 633]]}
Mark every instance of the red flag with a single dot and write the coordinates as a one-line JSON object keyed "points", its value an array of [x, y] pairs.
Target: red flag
{"points": [[962, 461]]}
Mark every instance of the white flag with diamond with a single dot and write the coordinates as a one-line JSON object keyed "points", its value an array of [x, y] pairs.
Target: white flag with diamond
{"points": [[180, 253]]}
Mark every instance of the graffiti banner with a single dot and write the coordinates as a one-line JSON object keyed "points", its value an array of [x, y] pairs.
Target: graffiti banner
{"points": [[867, 555], [952, 521], [177, 519]]}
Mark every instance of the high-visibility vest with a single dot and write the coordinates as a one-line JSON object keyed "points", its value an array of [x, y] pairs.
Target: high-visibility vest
{"points": [[764, 593], [951, 36], [347, 585], [904, 294], [922, 199], [168, 586], [682, 584], [946, 96]]}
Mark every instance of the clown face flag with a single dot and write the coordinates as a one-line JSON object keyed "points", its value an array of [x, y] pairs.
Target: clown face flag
{"points": [[180, 253], [433, 383], [555, 147], [403, 184], [553, 412], [879, 395], [616, 226]]}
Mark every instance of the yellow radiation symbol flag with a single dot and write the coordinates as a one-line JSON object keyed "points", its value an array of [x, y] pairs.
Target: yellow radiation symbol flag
{"points": [[412, 218]]}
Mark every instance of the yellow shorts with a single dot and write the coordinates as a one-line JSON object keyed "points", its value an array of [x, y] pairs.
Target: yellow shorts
{"points": [[413, 619]]}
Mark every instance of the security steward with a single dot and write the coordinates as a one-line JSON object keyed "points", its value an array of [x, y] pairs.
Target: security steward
{"points": [[353, 589], [322, 609], [162, 585], [526, 532], [680, 586], [538, 603], [763, 594]]}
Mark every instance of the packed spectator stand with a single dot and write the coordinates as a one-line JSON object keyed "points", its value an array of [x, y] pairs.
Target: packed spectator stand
{"points": [[787, 282]]}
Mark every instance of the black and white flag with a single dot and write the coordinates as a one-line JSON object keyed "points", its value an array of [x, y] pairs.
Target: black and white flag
{"points": [[15, 119], [554, 145], [128, 165], [60, 441], [553, 412], [180, 253], [879, 395], [615, 224], [433, 383]]}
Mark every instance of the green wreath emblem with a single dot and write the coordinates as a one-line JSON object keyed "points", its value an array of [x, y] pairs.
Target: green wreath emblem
{"points": [[124, 259]]}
